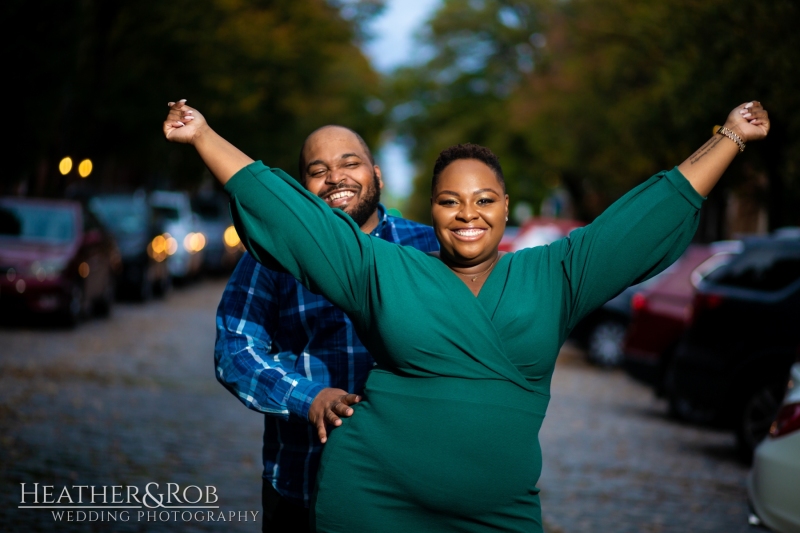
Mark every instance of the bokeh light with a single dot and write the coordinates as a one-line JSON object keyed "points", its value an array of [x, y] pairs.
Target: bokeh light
{"points": [[65, 166], [231, 238], [85, 168]]}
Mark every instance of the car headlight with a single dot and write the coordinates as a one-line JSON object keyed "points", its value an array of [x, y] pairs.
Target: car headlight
{"points": [[47, 268], [194, 242]]}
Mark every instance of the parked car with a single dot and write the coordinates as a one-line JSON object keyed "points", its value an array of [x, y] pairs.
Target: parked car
{"points": [[138, 232], [223, 247], [183, 235], [540, 231], [507, 242], [773, 485], [730, 366], [56, 258], [602, 332], [661, 311]]}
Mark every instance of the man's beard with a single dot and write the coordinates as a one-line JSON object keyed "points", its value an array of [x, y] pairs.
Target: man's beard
{"points": [[361, 212]]}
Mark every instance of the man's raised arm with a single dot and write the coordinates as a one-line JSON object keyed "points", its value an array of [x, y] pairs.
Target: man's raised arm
{"points": [[186, 125]]}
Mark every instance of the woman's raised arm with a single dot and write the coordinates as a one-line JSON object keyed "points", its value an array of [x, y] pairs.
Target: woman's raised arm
{"points": [[188, 126], [647, 229], [704, 168]]}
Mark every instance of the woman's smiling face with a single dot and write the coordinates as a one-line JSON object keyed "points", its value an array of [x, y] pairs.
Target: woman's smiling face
{"points": [[469, 209]]}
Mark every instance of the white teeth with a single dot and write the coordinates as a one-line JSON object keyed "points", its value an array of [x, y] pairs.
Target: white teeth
{"points": [[469, 232], [342, 194]]}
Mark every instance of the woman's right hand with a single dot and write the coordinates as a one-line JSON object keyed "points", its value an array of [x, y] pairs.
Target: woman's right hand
{"points": [[183, 123]]}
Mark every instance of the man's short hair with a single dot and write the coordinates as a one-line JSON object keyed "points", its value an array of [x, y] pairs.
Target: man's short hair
{"points": [[467, 151], [301, 162]]}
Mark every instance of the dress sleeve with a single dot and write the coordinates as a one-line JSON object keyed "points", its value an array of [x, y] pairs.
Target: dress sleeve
{"points": [[246, 361], [278, 220], [637, 237]]}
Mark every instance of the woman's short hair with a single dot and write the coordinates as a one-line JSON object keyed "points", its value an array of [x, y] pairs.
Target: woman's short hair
{"points": [[467, 151]]}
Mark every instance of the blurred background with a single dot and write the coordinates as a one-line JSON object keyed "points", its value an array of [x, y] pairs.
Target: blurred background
{"points": [[581, 99]]}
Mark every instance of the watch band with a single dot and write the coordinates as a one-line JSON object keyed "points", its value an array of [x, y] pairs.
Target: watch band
{"points": [[732, 136]]}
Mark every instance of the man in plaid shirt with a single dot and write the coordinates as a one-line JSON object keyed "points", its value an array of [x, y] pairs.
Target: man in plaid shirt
{"points": [[289, 353]]}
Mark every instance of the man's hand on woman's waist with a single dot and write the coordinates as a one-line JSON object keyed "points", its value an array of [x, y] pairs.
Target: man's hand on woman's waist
{"points": [[327, 408]]}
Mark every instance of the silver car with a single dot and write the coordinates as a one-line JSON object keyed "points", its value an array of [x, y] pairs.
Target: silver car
{"points": [[773, 485], [185, 240]]}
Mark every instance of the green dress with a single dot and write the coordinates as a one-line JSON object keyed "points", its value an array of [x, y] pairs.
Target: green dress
{"points": [[446, 438]]}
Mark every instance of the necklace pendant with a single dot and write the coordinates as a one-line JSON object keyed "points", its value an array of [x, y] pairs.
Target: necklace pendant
{"points": [[473, 279]]}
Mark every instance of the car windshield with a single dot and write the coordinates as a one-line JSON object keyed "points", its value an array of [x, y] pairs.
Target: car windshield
{"points": [[25, 222], [121, 215], [170, 213], [209, 208], [764, 268]]}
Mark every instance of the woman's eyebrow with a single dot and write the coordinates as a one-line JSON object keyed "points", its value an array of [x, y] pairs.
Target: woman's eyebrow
{"points": [[474, 193]]}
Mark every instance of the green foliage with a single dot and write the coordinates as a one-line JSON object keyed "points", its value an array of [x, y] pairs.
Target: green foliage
{"points": [[596, 95], [92, 79]]}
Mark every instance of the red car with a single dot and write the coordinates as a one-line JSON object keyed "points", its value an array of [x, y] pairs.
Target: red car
{"points": [[661, 311], [55, 258], [540, 231]]}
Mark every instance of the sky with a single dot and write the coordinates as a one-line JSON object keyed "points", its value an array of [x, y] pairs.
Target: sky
{"points": [[391, 46]]}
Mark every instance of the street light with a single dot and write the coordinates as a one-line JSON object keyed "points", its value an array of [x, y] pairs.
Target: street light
{"points": [[85, 168], [65, 166]]}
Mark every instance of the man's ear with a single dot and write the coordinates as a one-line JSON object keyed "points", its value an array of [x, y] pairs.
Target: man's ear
{"points": [[377, 170]]}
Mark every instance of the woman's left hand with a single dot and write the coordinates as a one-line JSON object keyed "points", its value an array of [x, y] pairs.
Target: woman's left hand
{"points": [[749, 121]]}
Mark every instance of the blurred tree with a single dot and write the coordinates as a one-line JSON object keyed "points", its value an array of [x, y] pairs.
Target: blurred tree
{"points": [[92, 79], [596, 95]]}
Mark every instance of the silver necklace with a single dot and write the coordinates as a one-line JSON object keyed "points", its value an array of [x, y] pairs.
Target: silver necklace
{"points": [[474, 277]]}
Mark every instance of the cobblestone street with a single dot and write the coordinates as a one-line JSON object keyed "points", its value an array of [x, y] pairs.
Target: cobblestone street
{"points": [[133, 400], [614, 462]]}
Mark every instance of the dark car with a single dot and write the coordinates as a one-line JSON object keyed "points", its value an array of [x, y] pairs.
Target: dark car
{"points": [[602, 332], [138, 232], [661, 311], [223, 248], [731, 365], [56, 258]]}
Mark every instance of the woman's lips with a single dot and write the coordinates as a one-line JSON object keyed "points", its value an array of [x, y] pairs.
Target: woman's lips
{"points": [[468, 234]]}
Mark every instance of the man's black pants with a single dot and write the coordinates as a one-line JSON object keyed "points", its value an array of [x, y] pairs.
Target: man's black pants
{"points": [[281, 515]]}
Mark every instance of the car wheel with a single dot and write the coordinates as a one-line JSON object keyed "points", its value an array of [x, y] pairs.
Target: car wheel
{"points": [[756, 417], [605, 343], [679, 406], [73, 314], [103, 306], [164, 286], [145, 292]]}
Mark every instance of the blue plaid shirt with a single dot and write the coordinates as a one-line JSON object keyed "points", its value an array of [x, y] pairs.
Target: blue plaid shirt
{"points": [[278, 345]]}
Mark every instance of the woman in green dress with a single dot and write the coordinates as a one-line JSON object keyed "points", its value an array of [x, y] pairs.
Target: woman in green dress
{"points": [[445, 437]]}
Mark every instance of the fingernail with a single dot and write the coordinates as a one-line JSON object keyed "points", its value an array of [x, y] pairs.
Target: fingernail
{"points": [[748, 106], [170, 104], [189, 112], [179, 123], [188, 118], [746, 115], [742, 111], [183, 101], [753, 121]]}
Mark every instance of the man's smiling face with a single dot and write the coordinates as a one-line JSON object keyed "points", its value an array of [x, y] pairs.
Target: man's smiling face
{"points": [[337, 168]]}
